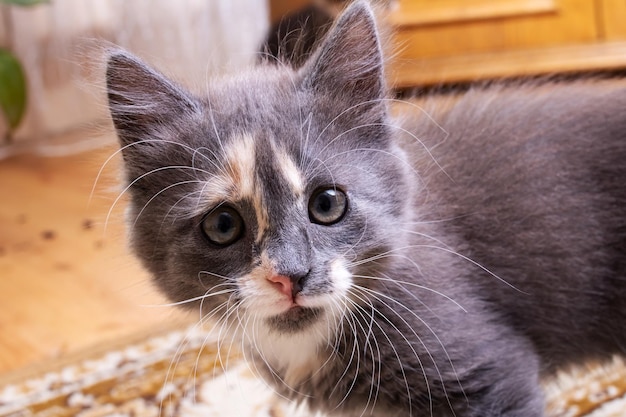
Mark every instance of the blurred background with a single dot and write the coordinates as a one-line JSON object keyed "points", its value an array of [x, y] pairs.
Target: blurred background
{"points": [[66, 280], [60, 46]]}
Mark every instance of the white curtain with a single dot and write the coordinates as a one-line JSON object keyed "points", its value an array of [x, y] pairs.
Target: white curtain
{"points": [[60, 43]]}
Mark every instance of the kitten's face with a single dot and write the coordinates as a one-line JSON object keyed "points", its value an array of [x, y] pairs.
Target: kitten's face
{"points": [[264, 200]]}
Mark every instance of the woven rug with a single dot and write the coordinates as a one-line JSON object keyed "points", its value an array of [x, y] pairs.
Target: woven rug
{"points": [[181, 373]]}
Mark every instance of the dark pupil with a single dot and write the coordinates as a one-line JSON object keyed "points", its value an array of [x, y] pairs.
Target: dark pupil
{"points": [[324, 202], [224, 223]]}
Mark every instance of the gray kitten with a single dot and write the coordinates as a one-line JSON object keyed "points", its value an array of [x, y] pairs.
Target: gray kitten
{"points": [[437, 263]]}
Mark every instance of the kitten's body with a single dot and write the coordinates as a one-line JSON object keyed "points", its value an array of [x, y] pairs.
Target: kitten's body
{"points": [[482, 244], [536, 192], [527, 234]]}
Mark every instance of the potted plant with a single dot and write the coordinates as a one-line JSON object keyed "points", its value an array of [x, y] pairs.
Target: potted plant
{"points": [[13, 93]]}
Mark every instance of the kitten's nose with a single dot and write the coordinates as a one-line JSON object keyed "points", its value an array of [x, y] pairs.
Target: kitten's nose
{"points": [[290, 286]]}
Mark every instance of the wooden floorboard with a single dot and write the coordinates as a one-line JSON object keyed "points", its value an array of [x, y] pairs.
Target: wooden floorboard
{"points": [[65, 282]]}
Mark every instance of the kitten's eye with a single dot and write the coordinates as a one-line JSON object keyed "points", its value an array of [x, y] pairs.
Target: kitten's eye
{"points": [[327, 206], [223, 226]]}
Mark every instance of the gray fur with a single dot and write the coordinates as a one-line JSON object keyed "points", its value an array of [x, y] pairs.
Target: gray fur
{"points": [[487, 235]]}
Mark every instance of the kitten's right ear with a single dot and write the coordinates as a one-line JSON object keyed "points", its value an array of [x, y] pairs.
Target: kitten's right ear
{"points": [[349, 63], [141, 99]]}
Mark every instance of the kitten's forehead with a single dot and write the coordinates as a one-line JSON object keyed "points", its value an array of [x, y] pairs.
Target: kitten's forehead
{"points": [[240, 165], [256, 94], [259, 170], [289, 170]]}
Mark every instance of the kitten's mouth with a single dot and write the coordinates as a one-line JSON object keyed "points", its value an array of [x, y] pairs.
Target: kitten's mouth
{"points": [[295, 319]]}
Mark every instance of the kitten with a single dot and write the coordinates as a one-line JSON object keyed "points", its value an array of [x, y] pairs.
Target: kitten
{"points": [[433, 263]]}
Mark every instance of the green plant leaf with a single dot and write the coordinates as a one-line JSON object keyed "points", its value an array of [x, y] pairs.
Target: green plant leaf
{"points": [[12, 89], [24, 2]]}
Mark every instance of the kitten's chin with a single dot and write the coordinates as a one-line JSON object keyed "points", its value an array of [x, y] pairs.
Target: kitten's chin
{"points": [[296, 319]]}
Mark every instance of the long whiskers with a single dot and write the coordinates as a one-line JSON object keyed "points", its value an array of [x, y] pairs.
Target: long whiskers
{"points": [[349, 316], [395, 351], [451, 251], [381, 297], [182, 347], [253, 342], [402, 283], [139, 143], [191, 300]]}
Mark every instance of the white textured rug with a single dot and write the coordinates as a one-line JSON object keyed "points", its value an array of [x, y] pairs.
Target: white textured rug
{"points": [[181, 374]]}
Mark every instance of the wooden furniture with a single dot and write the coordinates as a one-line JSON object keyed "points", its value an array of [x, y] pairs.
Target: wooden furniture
{"points": [[461, 40], [66, 283], [447, 41]]}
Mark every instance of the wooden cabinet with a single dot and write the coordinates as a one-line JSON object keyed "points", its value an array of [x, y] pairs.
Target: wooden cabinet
{"points": [[448, 41], [613, 19], [460, 40]]}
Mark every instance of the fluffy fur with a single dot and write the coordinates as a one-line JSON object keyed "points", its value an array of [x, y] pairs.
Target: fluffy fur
{"points": [[483, 244]]}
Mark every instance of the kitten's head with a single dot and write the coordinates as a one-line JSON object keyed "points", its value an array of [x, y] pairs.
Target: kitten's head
{"points": [[266, 199]]}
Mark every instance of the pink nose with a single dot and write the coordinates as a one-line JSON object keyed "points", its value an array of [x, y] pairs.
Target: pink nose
{"points": [[282, 284]]}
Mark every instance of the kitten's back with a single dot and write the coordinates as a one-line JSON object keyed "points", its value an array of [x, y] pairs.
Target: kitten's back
{"points": [[533, 178]]}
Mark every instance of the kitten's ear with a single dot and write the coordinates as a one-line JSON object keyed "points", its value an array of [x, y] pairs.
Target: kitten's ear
{"points": [[349, 63], [141, 99]]}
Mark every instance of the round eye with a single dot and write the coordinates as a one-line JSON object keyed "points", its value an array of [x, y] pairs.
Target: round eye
{"points": [[223, 226], [327, 206]]}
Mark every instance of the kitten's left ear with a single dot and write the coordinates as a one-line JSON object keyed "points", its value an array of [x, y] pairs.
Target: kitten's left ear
{"points": [[141, 99], [349, 63]]}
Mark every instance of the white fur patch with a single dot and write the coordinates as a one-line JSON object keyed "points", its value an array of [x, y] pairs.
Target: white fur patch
{"points": [[235, 178], [240, 165], [290, 171], [299, 354], [342, 278], [295, 354]]}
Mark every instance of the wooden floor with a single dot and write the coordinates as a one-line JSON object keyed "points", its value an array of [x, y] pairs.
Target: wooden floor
{"points": [[65, 282]]}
